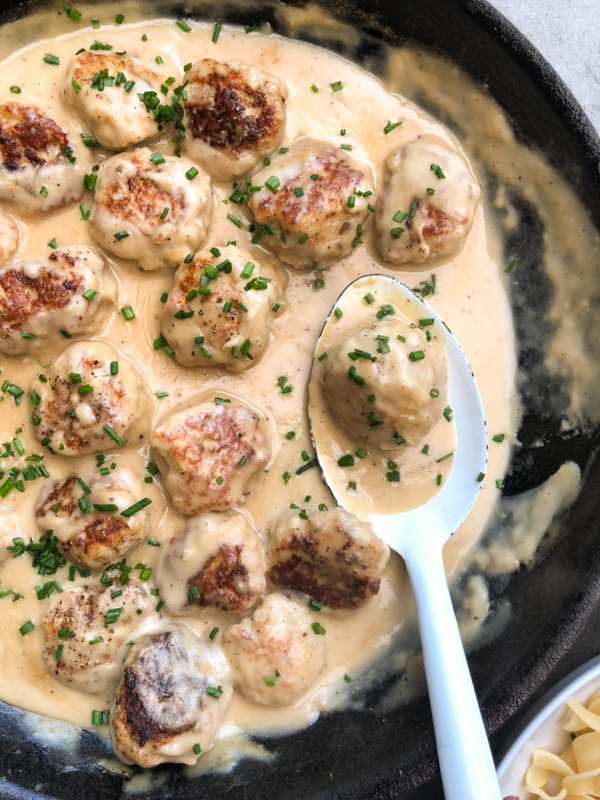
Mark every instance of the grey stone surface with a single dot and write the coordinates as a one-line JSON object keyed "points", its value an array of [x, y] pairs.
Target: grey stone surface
{"points": [[567, 33]]}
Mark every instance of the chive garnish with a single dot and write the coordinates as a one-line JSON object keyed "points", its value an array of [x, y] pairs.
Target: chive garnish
{"points": [[114, 436], [129, 512]]}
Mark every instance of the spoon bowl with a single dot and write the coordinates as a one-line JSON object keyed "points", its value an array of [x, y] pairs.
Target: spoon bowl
{"points": [[418, 535]]}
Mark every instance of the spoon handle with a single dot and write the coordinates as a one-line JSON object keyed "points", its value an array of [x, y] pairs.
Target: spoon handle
{"points": [[466, 762]]}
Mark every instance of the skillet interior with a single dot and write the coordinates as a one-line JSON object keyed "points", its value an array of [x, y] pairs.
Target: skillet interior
{"points": [[362, 754]]}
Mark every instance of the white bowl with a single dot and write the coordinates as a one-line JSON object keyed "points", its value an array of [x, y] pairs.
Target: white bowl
{"points": [[543, 726]]}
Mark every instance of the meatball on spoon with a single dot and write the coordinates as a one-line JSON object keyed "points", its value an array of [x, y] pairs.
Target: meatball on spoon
{"points": [[419, 534]]}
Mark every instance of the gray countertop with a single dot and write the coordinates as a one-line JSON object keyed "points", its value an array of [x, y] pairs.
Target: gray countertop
{"points": [[567, 34]]}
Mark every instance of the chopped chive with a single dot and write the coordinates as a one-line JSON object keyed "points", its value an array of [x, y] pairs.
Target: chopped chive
{"points": [[337, 86], [499, 437], [273, 182], [191, 173], [216, 32], [128, 313], [90, 294], [448, 413], [480, 477], [391, 126], [234, 220], [512, 265], [24, 629], [15, 89], [318, 628], [129, 512], [158, 158], [213, 633], [437, 170], [346, 460], [368, 298], [430, 191], [416, 355], [121, 235], [443, 458], [113, 435], [50, 59], [183, 25]]}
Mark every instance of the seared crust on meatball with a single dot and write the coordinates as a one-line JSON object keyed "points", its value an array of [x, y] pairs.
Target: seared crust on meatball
{"points": [[117, 118], [94, 537], [9, 238], [235, 116], [83, 407], [318, 225], [275, 654], [150, 213], [204, 321], [430, 190], [42, 163], [215, 560], [42, 296], [398, 400], [210, 452], [76, 617], [330, 556], [174, 693]]}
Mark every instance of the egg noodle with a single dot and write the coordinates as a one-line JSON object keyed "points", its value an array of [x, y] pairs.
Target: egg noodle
{"points": [[577, 767]]}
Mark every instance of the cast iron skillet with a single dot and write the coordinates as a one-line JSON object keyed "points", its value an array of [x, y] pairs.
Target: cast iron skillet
{"points": [[359, 755]]}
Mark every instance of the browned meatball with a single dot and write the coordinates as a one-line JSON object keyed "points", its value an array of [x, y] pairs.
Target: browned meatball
{"points": [[228, 322], [329, 555], [276, 655], [216, 560], [174, 694], [90, 527], [210, 452], [118, 118], [235, 115], [148, 212], [41, 163], [42, 296], [85, 404], [427, 202], [316, 199], [83, 647]]}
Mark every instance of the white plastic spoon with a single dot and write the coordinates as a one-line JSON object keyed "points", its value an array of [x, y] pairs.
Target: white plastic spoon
{"points": [[418, 535]]}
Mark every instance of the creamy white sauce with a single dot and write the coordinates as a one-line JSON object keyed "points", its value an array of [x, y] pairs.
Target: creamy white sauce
{"points": [[470, 296]]}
